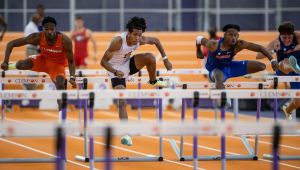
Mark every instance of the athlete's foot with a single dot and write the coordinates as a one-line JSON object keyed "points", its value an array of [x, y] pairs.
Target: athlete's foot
{"points": [[294, 65], [288, 116], [159, 83], [126, 140]]}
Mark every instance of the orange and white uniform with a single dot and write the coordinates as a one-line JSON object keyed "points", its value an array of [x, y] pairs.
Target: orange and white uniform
{"points": [[52, 59]]}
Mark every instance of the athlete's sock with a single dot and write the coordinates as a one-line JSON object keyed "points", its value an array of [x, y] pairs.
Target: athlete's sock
{"points": [[12, 66]]}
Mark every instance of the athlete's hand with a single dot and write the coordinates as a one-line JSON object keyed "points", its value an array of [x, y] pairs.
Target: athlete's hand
{"points": [[274, 65], [72, 81], [95, 58], [119, 74], [168, 64], [4, 66]]}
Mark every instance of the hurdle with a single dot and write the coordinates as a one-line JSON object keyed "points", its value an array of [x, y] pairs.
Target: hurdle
{"points": [[9, 131], [252, 152], [110, 94], [135, 80], [102, 72], [154, 128], [93, 159], [278, 79], [195, 129]]}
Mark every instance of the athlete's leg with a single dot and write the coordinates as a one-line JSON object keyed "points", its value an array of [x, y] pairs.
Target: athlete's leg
{"points": [[119, 83], [60, 85], [217, 76], [26, 64], [255, 66], [148, 60], [295, 103]]}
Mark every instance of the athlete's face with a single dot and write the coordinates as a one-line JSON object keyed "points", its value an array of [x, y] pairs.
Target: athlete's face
{"points": [[79, 23], [135, 36], [50, 31], [287, 39], [231, 36]]}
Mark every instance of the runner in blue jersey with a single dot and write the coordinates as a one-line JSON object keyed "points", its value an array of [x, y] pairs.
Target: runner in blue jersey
{"points": [[287, 48], [220, 63]]}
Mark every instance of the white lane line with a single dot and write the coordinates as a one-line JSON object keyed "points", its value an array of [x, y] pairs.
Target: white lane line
{"points": [[41, 152], [236, 137], [135, 152], [189, 144], [117, 147]]}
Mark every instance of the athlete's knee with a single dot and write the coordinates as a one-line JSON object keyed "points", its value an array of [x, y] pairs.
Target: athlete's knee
{"points": [[261, 66], [60, 82], [24, 64], [150, 58], [122, 103], [218, 75]]}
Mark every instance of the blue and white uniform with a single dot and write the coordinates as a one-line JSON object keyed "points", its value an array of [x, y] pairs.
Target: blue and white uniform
{"points": [[286, 52], [223, 60]]}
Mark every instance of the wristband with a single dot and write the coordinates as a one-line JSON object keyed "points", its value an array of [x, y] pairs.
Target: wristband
{"points": [[165, 57], [273, 51], [199, 39], [72, 78], [273, 60]]}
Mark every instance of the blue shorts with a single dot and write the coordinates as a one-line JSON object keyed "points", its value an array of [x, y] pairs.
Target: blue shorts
{"points": [[293, 85], [235, 69]]}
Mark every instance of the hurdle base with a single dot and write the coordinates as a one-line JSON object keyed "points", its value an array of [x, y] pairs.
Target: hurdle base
{"points": [[130, 159], [270, 157], [218, 157], [82, 158], [27, 160], [250, 156]]}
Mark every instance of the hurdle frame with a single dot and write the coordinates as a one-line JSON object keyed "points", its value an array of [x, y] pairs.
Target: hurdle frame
{"points": [[93, 159], [252, 152], [280, 157], [60, 158]]}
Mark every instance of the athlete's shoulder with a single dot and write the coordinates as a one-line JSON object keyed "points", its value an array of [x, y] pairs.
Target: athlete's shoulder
{"points": [[116, 43]]}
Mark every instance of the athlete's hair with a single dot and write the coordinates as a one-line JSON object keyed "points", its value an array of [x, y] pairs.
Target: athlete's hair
{"points": [[229, 26], [138, 23], [49, 19], [79, 18], [40, 6], [212, 31], [286, 27]]}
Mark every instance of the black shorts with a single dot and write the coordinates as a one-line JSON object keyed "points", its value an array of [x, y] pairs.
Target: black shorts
{"points": [[122, 81]]}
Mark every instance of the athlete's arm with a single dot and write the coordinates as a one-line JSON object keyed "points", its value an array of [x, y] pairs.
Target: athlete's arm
{"points": [[90, 36], [33, 39], [241, 44], [68, 48], [155, 41], [114, 46], [210, 44], [297, 48], [4, 26], [272, 47]]}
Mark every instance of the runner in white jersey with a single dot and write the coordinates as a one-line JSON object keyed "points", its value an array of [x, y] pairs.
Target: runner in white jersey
{"points": [[117, 60]]}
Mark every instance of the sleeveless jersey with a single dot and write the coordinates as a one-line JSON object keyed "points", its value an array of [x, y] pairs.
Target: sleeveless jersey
{"points": [[80, 45], [54, 53], [120, 57], [219, 59]]}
